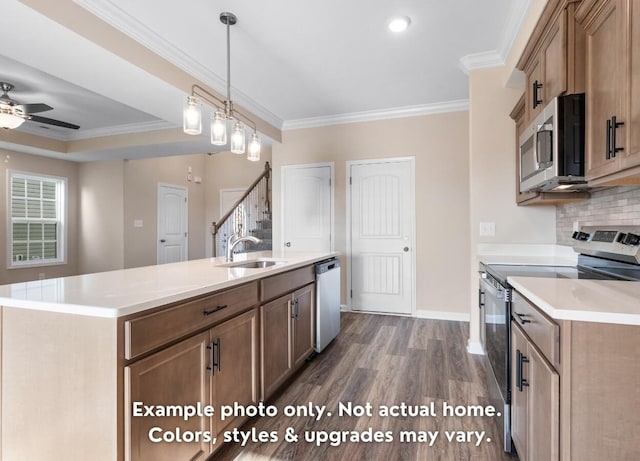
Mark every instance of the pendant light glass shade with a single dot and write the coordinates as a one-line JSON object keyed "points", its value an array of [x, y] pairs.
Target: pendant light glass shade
{"points": [[237, 139], [218, 129], [254, 148], [192, 116]]}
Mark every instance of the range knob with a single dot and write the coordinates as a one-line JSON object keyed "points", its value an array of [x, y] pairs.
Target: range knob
{"points": [[631, 239], [582, 236]]}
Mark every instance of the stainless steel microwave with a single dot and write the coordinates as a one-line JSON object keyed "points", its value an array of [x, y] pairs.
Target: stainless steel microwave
{"points": [[552, 147]]}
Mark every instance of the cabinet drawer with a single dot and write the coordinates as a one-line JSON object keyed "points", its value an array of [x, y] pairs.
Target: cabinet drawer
{"points": [[272, 287], [543, 331], [148, 332]]}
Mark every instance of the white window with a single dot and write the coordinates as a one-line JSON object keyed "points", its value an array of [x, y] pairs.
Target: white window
{"points": [[37, 225]]}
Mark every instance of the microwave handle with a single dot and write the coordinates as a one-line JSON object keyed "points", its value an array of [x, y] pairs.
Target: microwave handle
{"points": [[542, 128]]}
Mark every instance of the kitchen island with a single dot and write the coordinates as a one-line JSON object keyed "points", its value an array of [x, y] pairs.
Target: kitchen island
{"points": [[79, 352]]}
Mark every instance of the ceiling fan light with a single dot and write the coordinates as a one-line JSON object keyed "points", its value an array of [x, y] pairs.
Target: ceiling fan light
{"points": [[218, 129], [254, 148], [237, 139], [192, 116], [9, 120]]}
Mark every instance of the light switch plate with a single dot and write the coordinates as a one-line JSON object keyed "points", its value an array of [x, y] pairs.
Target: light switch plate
{"points": [[487, 229], [137, 223]]}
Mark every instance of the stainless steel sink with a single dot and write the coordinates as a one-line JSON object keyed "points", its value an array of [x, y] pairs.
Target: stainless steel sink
{"points": [[254, 263]]}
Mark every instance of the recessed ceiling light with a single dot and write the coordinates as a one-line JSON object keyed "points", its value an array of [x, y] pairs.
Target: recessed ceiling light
{"points": [[399, 23]]}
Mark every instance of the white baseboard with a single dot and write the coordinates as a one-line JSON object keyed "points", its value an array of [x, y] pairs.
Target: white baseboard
{"points": [[475, 347], [443, 315], [422, 314]]}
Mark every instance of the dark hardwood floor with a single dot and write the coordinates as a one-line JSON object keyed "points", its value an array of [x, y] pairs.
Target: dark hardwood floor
{"points": [[383, 360]]}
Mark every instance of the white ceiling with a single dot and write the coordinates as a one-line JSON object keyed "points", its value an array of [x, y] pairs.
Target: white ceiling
{"points": [[294, 63]]}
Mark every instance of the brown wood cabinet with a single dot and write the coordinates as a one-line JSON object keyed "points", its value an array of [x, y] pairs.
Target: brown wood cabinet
{"points": [[174, 376], [287, 333], [535, 401], [286, 325], [218, 367], [552, 60], [613, 90], [579, 387]]}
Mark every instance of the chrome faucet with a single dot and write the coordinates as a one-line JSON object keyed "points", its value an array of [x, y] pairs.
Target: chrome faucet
{"points": [[231, 243]]}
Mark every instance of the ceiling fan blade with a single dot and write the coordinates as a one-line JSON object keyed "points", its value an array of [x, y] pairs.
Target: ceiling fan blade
{"points": [[50, 121], [33, 108]]}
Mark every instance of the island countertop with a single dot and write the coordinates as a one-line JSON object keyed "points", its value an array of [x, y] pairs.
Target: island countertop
{"points": [[129, 291], [603, 301]]}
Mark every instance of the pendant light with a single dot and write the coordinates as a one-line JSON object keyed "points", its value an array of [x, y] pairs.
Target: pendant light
{"points": [[224, 111]]}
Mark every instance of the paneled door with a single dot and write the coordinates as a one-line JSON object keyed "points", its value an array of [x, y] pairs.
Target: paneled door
{"points": [[172, 223], [307, 207], [382, 235]]}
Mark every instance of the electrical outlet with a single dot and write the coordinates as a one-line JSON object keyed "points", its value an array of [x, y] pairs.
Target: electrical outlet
{"points": [[138, 223], [487, 229]]}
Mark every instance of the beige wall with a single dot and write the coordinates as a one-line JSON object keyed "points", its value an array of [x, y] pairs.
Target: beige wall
{"points": [[439, 144], [42, 165], [141, 178], [227, 171], [101, 223], [492, 163]]}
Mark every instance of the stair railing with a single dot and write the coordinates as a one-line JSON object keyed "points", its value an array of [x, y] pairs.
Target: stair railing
{"points": [[247, 214]]}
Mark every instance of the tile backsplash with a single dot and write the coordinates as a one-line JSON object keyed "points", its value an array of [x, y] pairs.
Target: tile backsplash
{"points": [[614, 206]]}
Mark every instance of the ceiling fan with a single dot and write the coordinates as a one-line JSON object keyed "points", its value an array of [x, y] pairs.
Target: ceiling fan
{"points": [[13, 114]]}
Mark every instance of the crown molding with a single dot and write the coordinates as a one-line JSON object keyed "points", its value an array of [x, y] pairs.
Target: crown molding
{"points": [[482, 60], [372, 115], [138, 31], [99, 132], [496, 58]]}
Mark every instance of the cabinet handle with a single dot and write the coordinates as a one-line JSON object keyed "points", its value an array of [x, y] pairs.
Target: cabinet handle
{"points": [[536, 87], [614, 126], [214, 310], [608, 139], [218, 343], [521, 318], [296, 309], [211, 357], [480, 298], [520, 381]]}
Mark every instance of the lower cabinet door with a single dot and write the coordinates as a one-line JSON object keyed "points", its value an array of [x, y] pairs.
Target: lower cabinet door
{"points": [[519, 392], [303, 324], [275, 328], [544, 409], [174, 376], [235, 370]]}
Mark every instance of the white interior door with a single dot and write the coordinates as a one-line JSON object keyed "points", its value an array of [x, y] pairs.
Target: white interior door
{"points": [[307, 207], [382, 236], [172, 223]]}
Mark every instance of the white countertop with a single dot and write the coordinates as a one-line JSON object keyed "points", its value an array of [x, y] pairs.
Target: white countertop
{"points": [[127, 291], [603, 301]]}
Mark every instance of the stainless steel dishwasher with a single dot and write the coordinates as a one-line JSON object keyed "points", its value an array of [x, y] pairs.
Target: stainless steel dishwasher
{"points": [[327, 302]]}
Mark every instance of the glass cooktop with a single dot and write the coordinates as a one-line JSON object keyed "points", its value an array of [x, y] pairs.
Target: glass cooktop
{"points": [[502, 271]]}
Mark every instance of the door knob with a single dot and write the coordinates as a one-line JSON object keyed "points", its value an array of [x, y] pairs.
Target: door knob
{"points": [[288, 244], [406, 249]]}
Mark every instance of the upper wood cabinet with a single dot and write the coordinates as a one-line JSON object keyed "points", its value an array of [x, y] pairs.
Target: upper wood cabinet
{"points": [[613, 90], [553, 60]]}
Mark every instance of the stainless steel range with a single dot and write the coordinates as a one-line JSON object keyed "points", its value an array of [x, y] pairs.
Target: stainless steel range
{"points": [[605, 253]]}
